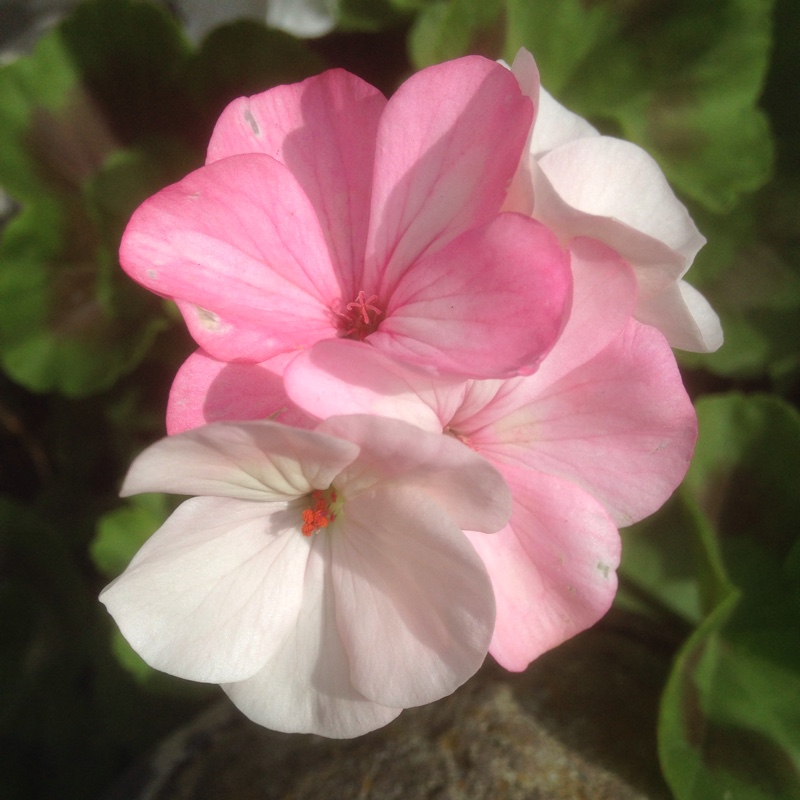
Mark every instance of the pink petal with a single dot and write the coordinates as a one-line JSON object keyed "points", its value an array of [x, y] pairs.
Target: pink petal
{"points": [[340, 376], [520, 192], [603, 299], [489, 305], [246, 460], [413, 602], [239, 239], [305, 686], [552, 568], [211, 591], [621, 426], [464, 485], [324, 130], [207, 390], [448, 145]]}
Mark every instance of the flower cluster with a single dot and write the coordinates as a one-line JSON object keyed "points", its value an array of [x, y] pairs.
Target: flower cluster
{"points": [[421, 321]]}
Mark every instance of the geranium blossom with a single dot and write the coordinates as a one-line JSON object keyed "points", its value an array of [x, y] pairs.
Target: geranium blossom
{"points": [[579, 183], [326, 211], [598, 438], [322, 577]]}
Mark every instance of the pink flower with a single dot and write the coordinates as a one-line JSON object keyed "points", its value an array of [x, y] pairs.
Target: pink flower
{"points": [[322, 577], [324, 211], [598, 438], [207, 390], [579, 183]]}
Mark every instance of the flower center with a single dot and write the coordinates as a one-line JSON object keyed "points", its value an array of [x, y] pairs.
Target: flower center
{"points": [[361, 317], [325, 505], [463, 438]]}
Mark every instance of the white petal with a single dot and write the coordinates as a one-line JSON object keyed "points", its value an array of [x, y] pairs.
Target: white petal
{"points": [[610, 180], [413, 601], [555, 125], [463, 483], [684, 316], [305, 687], [211, 592], [247, 460]]}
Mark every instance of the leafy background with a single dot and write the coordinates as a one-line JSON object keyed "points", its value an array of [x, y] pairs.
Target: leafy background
{"points": [[116, 102]]}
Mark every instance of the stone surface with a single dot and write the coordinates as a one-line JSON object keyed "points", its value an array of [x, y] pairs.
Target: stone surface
{"points": [[578, 724]]}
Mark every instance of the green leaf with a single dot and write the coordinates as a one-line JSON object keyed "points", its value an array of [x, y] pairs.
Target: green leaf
{"points": [[452, 28], [56, 333], [750, 272], [562, 37], [111, 107], [730, 724], [244, 58], [671, 561], [121, 532], [369, 15], [745, 470], [681, 79]]}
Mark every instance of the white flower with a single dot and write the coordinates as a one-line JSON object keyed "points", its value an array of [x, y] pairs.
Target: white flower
{"points": [[322, 577], [579, 183]]}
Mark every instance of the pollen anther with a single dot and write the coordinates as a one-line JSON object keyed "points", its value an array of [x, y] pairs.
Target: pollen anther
{"points": [[320, 515]]}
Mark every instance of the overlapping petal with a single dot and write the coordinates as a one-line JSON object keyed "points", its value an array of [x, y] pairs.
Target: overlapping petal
{"points": [[490, 304], [306, 687], [208, 390], [431, 608], [448, 145], [465, 486], [585, 184], [621, 426], [209, 594], [238, 239], [341, 376], [552, 568], [324, 131], [262, 461]]}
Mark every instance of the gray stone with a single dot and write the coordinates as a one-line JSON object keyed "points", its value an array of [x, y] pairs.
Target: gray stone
{"points": [[578, 724]]}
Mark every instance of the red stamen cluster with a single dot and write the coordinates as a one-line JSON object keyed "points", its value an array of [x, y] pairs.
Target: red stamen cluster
{"points": [[320, 514]]}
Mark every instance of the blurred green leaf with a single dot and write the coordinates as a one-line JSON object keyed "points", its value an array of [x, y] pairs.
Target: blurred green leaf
{"points": [[70, 716], [369, 15], [120, 533], [563, 37], [671, 558], [750, 272], [451, 28], [681, 79], [112, 106], [244, 58], [730, 720]]}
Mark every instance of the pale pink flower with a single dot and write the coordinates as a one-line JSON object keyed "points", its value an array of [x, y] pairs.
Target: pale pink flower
{"points": [[598, 438], [322, 577], [579, 183], [325, 211]]}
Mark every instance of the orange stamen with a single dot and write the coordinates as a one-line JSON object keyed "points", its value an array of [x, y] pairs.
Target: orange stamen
{"points": [[321, 514]]}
